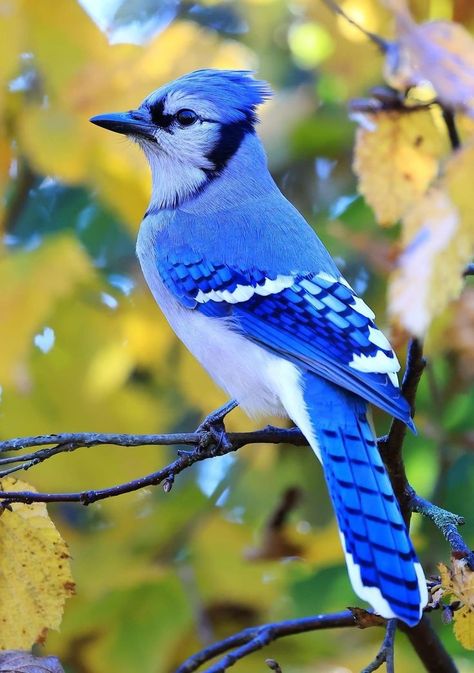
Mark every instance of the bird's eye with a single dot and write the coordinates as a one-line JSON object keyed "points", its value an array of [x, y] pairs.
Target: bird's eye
{"points": [[186, 117]]}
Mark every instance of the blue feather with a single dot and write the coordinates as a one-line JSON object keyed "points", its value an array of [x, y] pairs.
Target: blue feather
{"points": [[374, 533], [251, 290], [312, 323]]}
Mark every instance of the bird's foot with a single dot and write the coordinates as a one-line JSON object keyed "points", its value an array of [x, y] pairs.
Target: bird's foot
{"points": [[212, 430]]}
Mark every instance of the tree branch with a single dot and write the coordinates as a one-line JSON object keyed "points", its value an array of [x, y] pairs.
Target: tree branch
{"points": [[210, 440], [390, 446], [429, 648], [448, 523], [386, 653], [255, 638], [382, 44]]}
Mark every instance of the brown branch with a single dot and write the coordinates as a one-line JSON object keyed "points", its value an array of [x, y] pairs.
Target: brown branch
{"points": [[450, 121], [390, 446], [429, 648], [256, 638], [386, 653], [209, 440]]}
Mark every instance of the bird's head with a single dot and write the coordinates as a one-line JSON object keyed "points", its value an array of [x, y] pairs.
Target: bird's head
{"points": [[190, 128]]}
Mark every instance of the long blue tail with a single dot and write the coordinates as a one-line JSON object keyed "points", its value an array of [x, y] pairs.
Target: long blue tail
{"points": [[382, 564]]}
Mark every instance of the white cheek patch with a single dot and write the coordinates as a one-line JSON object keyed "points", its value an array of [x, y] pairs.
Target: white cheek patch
{"points": [[245, 292]]}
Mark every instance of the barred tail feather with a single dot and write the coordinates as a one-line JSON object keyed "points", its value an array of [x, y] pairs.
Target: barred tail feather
{"points": [[381, 562]]}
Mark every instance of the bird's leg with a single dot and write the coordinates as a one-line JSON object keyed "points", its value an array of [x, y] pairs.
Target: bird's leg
{"points": [[212, 429]]}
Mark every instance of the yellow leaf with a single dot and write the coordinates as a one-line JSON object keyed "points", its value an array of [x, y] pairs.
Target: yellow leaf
{"points": [[440, 52], [438, 242], [464, 627], [35, 573], [396, 158], [66, 155], [458, 581], [35, 280]]}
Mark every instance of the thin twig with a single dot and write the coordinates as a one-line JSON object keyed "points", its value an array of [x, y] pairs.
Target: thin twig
{"points": [[391, 446], [255, 638], [273, 665], [382, 44], [447, 523], [450, 121], [386, 653]]}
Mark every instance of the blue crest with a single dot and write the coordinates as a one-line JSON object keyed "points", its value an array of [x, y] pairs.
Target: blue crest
{"points": [[235, 93]]}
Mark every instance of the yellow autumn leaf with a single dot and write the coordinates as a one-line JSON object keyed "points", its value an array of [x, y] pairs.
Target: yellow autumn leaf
{"points": [[35, 573], [36, 280], [66, 157], [458, 581], [396, 158], [438, 242], [440, 52]]}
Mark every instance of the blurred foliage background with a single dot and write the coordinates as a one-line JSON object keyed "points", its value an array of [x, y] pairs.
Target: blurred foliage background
{"points": [[83, 346]]}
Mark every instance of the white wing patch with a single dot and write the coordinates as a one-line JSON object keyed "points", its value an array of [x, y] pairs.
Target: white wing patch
{"points": [[344, 282], [361, 307], [379, 363], [326, 276], [245, 292], [394, 379], [379, 339]]}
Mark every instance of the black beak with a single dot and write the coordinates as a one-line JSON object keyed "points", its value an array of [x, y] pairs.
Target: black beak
{"points": [[135, 122]]}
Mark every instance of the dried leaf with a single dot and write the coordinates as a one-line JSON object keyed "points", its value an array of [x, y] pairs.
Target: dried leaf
{"points": [[17, 661], [440, 52], [458, 580], [35, 573], [396, 158], [438, 241]]}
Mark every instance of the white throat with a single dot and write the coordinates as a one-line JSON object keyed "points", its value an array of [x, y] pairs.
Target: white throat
{"points": [[173, 181]]}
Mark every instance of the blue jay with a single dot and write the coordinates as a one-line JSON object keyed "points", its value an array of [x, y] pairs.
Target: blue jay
{"points": [[252, 292]]}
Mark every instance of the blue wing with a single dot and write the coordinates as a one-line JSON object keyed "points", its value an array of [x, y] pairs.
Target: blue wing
{"points": [[313, 319]]}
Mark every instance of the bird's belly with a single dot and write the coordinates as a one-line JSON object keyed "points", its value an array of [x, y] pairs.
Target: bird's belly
{"points": [[261, 382], [243, 369]]}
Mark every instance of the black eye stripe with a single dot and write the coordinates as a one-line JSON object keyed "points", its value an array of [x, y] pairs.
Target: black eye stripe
{"points": [[158, 115]]}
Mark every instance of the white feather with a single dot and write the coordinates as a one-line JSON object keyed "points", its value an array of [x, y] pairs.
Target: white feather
{"points": [[326, 276], [245, 292], [379, 339], [372, 595], [379, 363], [394, 379], [361, 307]]}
